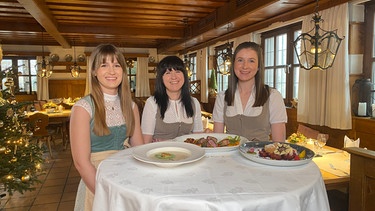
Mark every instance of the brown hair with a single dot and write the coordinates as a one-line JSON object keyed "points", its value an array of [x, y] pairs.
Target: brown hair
{"points": [[262, 90], [100, 55]]}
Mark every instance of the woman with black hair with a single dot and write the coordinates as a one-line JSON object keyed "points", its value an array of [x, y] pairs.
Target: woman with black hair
{"points": [[172, 111]]}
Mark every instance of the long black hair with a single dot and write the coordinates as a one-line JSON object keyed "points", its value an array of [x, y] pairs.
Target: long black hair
{"points": [[160, 93]]}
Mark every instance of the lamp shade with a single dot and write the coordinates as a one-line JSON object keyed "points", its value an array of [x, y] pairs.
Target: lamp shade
{"points": [[317, 49]]}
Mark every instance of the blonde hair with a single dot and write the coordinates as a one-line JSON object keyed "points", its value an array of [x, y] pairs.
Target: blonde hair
{"points": [[100, 55]]}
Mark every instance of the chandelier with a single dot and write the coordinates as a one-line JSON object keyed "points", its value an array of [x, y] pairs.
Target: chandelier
{"points": [[317, 49], [130, 63], [224, 60], [44, 69], [75, 69]]}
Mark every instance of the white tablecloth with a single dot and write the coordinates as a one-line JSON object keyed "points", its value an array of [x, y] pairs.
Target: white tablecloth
{"points": [[226, 181]]}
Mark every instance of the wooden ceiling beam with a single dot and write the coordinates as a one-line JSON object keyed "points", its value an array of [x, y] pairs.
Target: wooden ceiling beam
{"points": [[42, 14], [126, 32]]}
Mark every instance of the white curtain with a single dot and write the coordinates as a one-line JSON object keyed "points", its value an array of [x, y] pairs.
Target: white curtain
{"points": [[88, 76], [323, 95], [42, 83], [202, 73], [142, 80]]}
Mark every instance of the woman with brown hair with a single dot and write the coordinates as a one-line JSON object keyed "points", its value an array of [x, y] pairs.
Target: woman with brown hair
{"points": [[101, 121], [249, 107]]}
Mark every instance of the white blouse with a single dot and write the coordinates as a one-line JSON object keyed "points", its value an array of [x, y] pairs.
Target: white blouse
{"points": [[174, 113], [114, 116], [276, 108]]}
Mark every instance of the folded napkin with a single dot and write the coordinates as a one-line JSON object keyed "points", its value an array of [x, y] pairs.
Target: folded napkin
{"points": [[350, 142]]}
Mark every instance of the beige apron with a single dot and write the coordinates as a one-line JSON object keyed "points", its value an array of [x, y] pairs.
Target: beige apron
{"points": [[85, 197], [258, 127]]}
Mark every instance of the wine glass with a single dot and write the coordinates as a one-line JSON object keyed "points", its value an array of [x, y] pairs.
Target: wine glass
{"points": [[321, 141]]}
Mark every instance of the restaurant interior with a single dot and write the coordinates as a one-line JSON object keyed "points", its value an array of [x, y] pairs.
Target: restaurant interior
{"points": [[47, 44]]}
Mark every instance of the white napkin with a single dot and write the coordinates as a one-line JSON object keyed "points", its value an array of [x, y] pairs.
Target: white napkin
{"points": [[350, 142]]}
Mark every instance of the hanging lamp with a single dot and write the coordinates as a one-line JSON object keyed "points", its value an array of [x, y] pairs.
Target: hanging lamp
{"points": [[224, 59], [317, 49], [75, 69], [44, 69]]}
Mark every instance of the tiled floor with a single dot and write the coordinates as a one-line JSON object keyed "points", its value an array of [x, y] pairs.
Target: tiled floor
{"points": [[56, 193]]}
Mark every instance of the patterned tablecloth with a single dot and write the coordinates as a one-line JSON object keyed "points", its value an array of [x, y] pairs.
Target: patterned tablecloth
{"points": [[219, 181]]}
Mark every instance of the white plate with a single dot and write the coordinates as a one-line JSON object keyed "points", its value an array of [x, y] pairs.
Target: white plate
{"points": [[219, 136], [183, 153], [257, 145]]}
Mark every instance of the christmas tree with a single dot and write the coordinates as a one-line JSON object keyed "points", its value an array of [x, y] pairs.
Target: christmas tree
{"points": [[20, 156]]}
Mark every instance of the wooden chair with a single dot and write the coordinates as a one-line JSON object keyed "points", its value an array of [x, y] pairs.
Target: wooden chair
{"points": [[362, 179], [308, 132], [41, 121]]}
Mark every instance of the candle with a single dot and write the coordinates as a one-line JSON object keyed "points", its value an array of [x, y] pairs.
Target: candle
{"points": [[362, 109]]}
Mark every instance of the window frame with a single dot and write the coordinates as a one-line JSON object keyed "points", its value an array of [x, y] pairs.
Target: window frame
{"points": [[291, 64], [16, 76], [131, 75], [369, 38]]}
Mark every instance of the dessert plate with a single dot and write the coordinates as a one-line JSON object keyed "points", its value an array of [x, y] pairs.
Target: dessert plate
{"points": [[258, 145]]}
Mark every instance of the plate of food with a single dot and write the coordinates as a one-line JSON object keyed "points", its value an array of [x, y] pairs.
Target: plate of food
{"points": [[168, 153], [276, 154], [213, 142]]}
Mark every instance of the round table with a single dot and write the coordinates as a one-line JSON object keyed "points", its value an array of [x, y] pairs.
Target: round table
{"points": [[219, 181]]}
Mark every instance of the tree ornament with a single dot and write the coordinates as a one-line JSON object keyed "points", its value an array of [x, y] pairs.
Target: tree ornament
{"points": [[14, 159], [1, 123], [25, 178]]}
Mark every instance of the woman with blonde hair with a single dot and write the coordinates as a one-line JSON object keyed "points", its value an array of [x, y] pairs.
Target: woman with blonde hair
{"points": [[102, 121]]}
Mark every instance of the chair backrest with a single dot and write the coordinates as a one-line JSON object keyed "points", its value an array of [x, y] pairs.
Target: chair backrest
{"points": [[40, 121], [308, 132], [362, 179]]}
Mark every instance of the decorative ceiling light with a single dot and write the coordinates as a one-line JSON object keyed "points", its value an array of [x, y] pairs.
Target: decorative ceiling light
{"points": [[75, 69], [44, 69], [130, 63], [317, 48], [224, 59], [188, 65]]}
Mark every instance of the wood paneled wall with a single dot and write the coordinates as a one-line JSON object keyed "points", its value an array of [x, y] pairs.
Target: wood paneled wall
{"points": [[66, 88]]}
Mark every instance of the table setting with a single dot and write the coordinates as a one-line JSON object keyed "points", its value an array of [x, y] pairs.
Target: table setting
{"points": [[178, 175]]}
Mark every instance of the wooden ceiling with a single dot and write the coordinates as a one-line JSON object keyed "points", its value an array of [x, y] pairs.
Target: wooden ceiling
{"points": [[168, 25]]}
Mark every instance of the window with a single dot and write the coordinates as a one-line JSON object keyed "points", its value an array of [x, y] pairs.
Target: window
{"points": [[280, 61], [24, 73], [221, 68], [132, 72]]}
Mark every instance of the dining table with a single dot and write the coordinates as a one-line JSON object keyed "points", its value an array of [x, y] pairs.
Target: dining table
{"points": [[334, 165], [224, 180], [61, 117]]}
